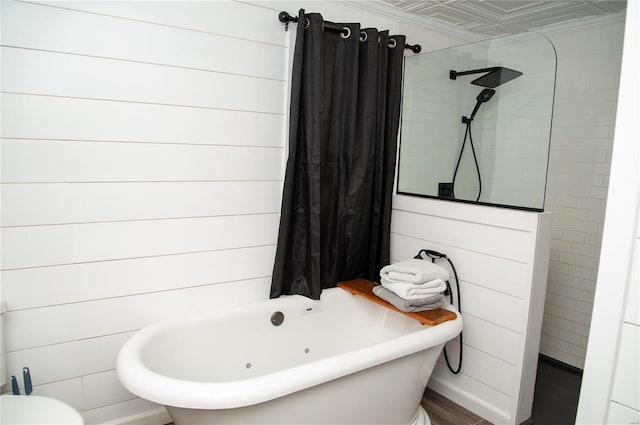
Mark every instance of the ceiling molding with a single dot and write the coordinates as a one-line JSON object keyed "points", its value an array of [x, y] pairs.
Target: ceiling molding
{"points": [[381, 8], [475, 20], [580, 24]]}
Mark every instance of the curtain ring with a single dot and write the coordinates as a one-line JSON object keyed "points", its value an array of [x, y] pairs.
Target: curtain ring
{"points": [[345, 33], [306, 23], [379, 40], [363, 36], [392, 43]]}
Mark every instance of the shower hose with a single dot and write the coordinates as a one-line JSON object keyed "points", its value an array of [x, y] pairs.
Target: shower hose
{"points": [[467, 132], [434, 255]]}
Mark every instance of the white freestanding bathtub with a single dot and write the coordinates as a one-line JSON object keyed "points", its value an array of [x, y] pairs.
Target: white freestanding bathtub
{"points": [[340, 360]]}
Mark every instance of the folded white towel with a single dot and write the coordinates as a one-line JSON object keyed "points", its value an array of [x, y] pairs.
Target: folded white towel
{"points": [[429, 302], [413, 271], [409, 291]]}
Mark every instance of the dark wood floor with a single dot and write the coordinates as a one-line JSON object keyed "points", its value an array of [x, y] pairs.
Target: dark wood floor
{"points": [[443, 411]]}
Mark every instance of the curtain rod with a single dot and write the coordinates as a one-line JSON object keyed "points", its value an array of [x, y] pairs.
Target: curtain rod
{"points": [[285, 18]]}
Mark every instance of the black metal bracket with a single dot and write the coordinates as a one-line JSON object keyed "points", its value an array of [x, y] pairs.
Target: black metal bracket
{"points": [[285, 18], [434, 255], [454, 74], [415, 48]]}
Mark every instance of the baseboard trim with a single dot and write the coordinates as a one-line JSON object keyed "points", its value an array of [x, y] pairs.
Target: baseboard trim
{"points": [[469, 401], [558, 363], [150, 417]]}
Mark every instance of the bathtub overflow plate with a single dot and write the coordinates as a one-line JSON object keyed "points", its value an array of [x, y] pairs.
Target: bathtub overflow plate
{"points": [[277, 318]]}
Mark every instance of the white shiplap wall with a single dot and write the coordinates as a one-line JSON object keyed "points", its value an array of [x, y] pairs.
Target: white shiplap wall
{"points": [[501, 256], [142, 164]]}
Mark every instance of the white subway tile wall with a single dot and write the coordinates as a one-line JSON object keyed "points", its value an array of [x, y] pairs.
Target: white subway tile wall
{"points": [[579, 161], [510, 133]]}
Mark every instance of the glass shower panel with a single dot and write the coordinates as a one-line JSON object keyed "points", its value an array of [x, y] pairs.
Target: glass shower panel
{"points": [[509, 134]]}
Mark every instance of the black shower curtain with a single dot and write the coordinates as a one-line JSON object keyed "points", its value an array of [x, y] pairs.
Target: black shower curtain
{"points": [[344, 118]]}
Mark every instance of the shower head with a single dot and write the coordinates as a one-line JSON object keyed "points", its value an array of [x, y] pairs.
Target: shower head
{"points": [[494, 77], [497, 77], [483, 97]]}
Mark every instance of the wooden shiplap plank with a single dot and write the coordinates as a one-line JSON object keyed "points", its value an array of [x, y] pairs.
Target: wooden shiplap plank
{"points": [[65, 203], [216, 17], [495, 307], [104, 388], [39, 327], [45, 286], [497, 341], [61, 118], [483, 367], [68, 391], [50, 363], [474, 267], [114, 315], [492, 401], [39, 161], [110, 316], [54, 29], [513, 244], [56, 74], [38, 246]]}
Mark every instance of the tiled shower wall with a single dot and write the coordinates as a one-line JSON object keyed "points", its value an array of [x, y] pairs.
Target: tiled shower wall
{"points": [[510, 132], [515, 137], [431, 131], [581, 144]]}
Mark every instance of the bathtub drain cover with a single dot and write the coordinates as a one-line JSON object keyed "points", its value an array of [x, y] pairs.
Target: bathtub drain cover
{"points": [[277, 318]]}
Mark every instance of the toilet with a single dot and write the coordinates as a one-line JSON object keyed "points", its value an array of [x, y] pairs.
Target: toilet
{"points": [[32, 409]]}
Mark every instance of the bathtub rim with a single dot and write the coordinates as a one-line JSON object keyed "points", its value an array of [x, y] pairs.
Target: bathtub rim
{"points": [[150, 385]]}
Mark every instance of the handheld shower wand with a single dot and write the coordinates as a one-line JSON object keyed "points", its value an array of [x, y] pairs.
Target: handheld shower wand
{"points": [[492, 78], [484, 96]]}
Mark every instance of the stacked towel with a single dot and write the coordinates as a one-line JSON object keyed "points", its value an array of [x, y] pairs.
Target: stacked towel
{"points": [[413, 285], [427, 303], [413, 271], [411, 291]]}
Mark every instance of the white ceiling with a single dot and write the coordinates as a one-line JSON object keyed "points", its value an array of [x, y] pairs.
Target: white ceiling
{"points": [[501, 17]]}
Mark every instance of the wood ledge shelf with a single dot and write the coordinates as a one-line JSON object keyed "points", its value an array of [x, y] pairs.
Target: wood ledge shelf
{"points": [[364, 288]]}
